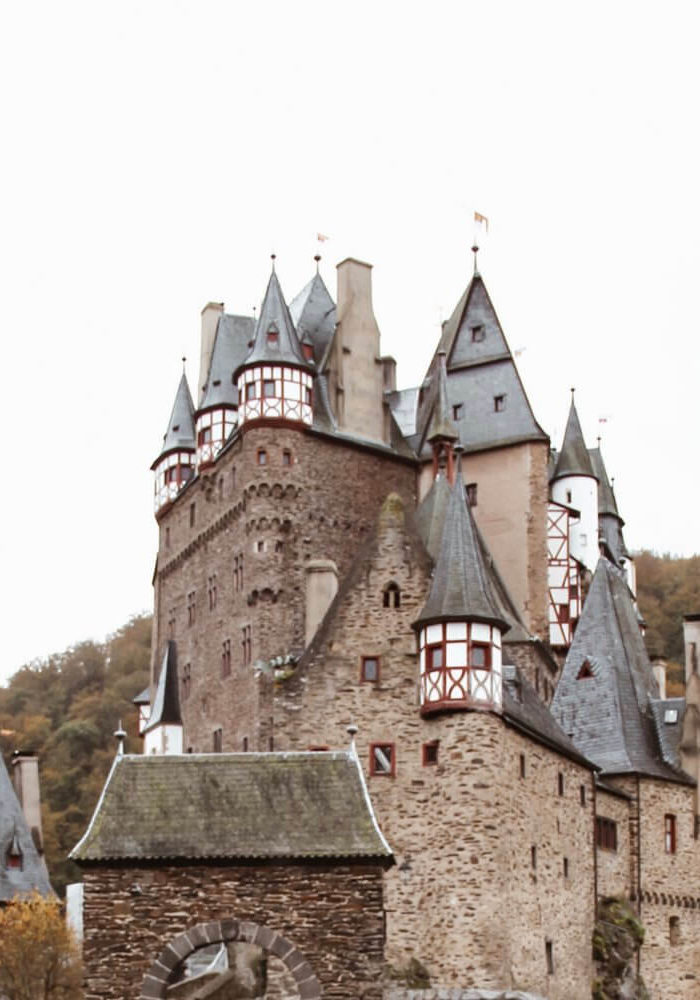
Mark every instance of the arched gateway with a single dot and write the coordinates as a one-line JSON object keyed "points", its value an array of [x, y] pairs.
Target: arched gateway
{"points": [[155, 983]]}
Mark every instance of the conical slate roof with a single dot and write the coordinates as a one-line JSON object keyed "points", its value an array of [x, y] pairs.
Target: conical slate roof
{"points": [[180, 434], [166, 704], [231, 345], [461, 589], [606, 497], [480, 371], [14, 833], [274, 315], [441, 426], [604, 698], [313, 313], [431, 514], [573, 459]]}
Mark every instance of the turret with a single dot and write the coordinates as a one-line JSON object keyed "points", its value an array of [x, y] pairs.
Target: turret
{"points": [[442, 433], [460, 628], [275, 381], [216, 415], [574, 484], [163, 734], [174, 467]]}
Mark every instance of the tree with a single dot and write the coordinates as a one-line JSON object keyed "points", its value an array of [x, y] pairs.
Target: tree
{"points": [[39, 958]]}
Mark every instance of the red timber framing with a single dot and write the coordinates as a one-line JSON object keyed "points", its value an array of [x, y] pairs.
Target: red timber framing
{"points": [[563, 576], [460, 666]]}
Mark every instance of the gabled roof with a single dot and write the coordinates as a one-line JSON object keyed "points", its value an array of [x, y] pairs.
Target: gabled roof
{"points": [[274, 806], [180, 435], [573, 459], [231, 345], [313, 313], [441, 426], [14, 833], [275, 316], [166, 704], [461, 588], [480, 367], [608, 713]]}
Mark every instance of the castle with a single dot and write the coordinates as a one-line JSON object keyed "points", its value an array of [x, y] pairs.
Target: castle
{"points": [[421, 564]]}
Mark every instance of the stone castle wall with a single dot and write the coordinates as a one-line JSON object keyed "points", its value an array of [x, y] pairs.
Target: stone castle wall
{"points": [[614, 865], [331, 913]]}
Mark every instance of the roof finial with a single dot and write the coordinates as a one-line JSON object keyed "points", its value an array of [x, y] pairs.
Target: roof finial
{"points": [[273, 258], [573, 390], [352, 733], [184, 359], [317, 258], [475, 250], [598, 440], [121, 736]]}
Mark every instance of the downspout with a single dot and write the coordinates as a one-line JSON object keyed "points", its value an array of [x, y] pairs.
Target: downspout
{"points": [[595, 849], [639, 873]]}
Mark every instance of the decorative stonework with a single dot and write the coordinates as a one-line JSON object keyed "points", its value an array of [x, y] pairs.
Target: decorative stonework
{"points": [[155, 983]]}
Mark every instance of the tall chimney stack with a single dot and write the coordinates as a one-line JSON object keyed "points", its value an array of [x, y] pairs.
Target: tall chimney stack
{"points": [[25, 777], [210, 317]]}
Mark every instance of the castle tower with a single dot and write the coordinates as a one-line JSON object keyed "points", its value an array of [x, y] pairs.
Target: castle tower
{"points": [[163, 734], [216, 415], [460, 628], [174, 467], [276, 380], [442, 433], [574, 484]]}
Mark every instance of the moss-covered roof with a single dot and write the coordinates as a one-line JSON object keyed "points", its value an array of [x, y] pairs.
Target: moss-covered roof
{"points": [[277, 806]]}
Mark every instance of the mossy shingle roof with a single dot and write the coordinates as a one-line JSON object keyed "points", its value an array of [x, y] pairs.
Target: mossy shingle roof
{"points": [[275, 806]]}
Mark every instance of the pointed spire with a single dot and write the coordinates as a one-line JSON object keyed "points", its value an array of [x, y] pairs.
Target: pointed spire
{"points": [[180, 435], [460, 589], [166, 704], [276, 340], [573, 459], [441, 425]]}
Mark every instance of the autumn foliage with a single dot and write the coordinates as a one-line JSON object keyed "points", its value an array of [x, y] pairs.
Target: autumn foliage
{"points": [[39, 959]]}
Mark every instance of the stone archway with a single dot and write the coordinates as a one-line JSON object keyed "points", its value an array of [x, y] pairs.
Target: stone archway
{"points": [[155, 981]]}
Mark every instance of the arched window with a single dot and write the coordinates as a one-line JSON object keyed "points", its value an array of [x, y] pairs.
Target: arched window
{"points": [[392, 595]]}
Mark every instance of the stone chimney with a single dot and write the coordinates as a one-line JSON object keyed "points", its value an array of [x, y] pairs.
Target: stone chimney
{"points": [[389, 372], [210, 317], [658, 665], [321, 588], [25, 777], [691, 642], [356, 358]]}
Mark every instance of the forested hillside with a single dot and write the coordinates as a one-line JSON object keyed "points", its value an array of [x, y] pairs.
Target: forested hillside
{"points": [[65, 709]]}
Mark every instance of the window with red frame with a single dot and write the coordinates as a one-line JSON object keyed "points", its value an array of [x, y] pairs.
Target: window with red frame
{"points": [[369, 670], [382, 760], [204, 436], [430, 753], [251, 391], [606, 833], [262, 456], [670, 833], [273, 336], [268, 388], [480, 656]]}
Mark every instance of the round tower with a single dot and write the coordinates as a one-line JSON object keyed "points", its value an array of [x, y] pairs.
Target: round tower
{"points": [[574, 484], [174, 467], [275, 382], [461, 626], [216, 416]]}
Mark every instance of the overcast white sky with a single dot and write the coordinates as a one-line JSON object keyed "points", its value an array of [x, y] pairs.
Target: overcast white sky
{"points": [[154, 153]]}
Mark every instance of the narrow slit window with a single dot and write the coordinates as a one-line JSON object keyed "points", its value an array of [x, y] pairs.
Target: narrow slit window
{"points": [[499, 403]]}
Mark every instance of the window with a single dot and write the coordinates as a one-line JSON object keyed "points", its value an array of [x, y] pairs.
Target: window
{"points": [[568, 496], [260, 546], [318, 749], [279, 546], [191, 607], [606, 833], [430, 753], [245, 744], [212, 591], [537, 679], [218, 740], [457, 411], [382, 759], [286, 457], [674, 930], [171, 623], [522, 765], [262, 456], [186, 681], [171, 474], [670, 833], [370, 669], [251, 391], [308, 351], [392, 595], [585, 670], [560, 783], [533, 856], [434, 657], [499, 403], [268, 388], [226, 658], [566, 867], [204, 436], [563, 613], [238, 572], [246, 644], [480, 656], [13, 858], [192, 515], [233, 478], [307, 395], [670, 716], [582, 794], [478, 334], [471, 492], [273, 336], [573, 592], [549, 956]]}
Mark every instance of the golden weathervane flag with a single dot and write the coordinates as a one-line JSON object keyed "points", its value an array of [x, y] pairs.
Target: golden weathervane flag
{"points": [[481, 220]]}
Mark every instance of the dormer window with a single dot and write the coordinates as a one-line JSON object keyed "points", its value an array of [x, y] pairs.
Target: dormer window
{"points": [[273, 337], [308, 351], [471, 491], [499, 403], [671, 716], [457, 411], [13, 858], [460, 666], [478, 333]]}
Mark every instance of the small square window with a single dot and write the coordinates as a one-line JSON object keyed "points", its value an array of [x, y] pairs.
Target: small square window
{"points": [[670, 716], [251, 391], [435, 657], [273, 337], [370, 669], [471, 492], [499, 403], [430, 753], [478, 334], [457, 411], [480, 656], [262, 456], [286, 457], [268, 388], [382, 759]]}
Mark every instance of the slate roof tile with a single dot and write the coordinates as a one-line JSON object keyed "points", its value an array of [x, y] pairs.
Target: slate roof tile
{"points": [[13, 828]]}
